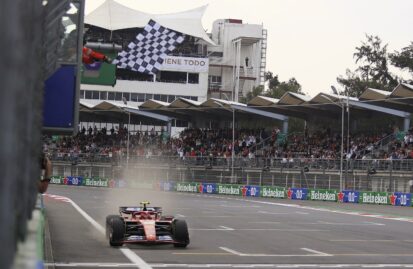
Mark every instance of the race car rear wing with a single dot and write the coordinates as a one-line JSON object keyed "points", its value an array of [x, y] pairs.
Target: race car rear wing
{"points": [[131, 209]]}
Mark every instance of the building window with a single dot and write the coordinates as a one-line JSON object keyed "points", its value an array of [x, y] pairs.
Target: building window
{"points": [[118, 96], [134, 97], [171, 98], [141, 97], [157, 97], [194, 98], [214, 82], [193, 78], [88, 94], [95, 95], [172, 77], [164, 98], [215, 54], [126, 95], [111, 96], [149, 96], [103, 95], [82, 94]]}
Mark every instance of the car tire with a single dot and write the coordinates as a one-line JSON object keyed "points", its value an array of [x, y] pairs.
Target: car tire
{"points": [[115, 230], [180, 233]]}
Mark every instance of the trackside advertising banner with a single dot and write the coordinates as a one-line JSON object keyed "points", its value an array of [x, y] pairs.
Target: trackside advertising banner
{"points": [[323, 195], [207, 188], [76, 181], [248, 190], [297, 193], [378, 198], [348, 196], [56, 180], [229, 189], [401, 199], [96, 182], [167, 186], [187, 187], [273, 192]]}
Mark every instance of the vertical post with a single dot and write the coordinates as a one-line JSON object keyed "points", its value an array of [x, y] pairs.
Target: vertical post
{"points": [[233, 145], [127, 147], [342, 146]]}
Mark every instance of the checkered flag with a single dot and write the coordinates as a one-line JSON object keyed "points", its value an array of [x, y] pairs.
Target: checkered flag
{"points": [[148, 51]]}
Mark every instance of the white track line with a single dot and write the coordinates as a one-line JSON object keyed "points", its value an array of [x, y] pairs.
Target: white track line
{"points": [[135, 258], [338, 211], [229, 265], [315, 253], [132, 256]]}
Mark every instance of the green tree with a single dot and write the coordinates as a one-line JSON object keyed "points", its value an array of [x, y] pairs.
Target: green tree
{"points": [[250, 95], [291, 85], [373, 70], [403, 59]]}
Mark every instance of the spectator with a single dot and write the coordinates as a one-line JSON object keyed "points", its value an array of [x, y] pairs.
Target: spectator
{"points": [[46, 167]]}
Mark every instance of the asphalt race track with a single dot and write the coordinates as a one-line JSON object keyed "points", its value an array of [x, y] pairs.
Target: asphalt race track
{"points": [[230, 232]]}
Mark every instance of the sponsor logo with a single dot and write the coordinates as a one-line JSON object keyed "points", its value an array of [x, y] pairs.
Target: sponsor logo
{"points": [[273, 193], [187, 188], [322, 195], [56, 180], [229, 190], [96, 182], [374, 198]]}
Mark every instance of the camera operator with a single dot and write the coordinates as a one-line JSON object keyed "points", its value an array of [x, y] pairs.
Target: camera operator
{"points": [[46, 166]]}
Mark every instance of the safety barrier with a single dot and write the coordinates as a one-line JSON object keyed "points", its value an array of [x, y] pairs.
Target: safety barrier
{"points": [[345, 196]]}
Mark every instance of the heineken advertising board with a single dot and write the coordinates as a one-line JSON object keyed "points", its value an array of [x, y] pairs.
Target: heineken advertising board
{"points": [[187, 187], [297, 193], [96, 182], [207, 188], [348, 196], [229, 189], [273, 192], [323, 195], [56, 180], [401, 199], [76, 181], [248, 190], [379, 198]]}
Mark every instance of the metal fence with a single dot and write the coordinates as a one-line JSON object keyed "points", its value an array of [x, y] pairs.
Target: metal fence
{"points": [[372, 175], [242, 162]]}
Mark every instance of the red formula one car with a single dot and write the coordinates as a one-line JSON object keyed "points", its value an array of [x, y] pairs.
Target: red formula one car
{"points": [[145, 225]]}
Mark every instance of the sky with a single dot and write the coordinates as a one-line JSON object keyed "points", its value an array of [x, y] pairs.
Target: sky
{"points": [[310, 40]]}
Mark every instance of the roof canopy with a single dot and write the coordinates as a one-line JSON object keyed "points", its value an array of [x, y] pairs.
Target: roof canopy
{"points": [[114, 16]]}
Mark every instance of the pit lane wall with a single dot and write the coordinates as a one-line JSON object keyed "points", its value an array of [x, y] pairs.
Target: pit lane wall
{"points": [[346, 196]]}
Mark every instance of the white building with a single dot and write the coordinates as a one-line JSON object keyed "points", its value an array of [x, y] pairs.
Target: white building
{"points": [[237, 63], [206, 65]]}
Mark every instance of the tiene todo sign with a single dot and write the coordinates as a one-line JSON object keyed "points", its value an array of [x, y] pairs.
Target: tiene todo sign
{"points": [[190, 64]]}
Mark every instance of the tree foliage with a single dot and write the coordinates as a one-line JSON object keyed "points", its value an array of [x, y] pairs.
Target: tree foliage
{"points": [[403, 59], [373, 70], [276, 89]]}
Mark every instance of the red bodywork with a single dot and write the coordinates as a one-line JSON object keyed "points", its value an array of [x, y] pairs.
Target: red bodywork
{"points": [[149, 224]]}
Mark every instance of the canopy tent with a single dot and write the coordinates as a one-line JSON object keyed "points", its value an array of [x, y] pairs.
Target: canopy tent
{"points": [[118, 112], [372, 103], [114, 16]]}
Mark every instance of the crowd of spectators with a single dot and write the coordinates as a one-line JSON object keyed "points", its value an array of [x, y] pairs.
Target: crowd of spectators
{"points": [[249, 144]]}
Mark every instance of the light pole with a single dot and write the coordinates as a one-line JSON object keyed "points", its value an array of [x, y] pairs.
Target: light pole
{"points": [[342, 137], [127, 143], [233, 138]]}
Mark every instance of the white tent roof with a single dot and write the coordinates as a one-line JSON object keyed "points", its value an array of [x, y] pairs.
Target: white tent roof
{"points": [[114, 16]]}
